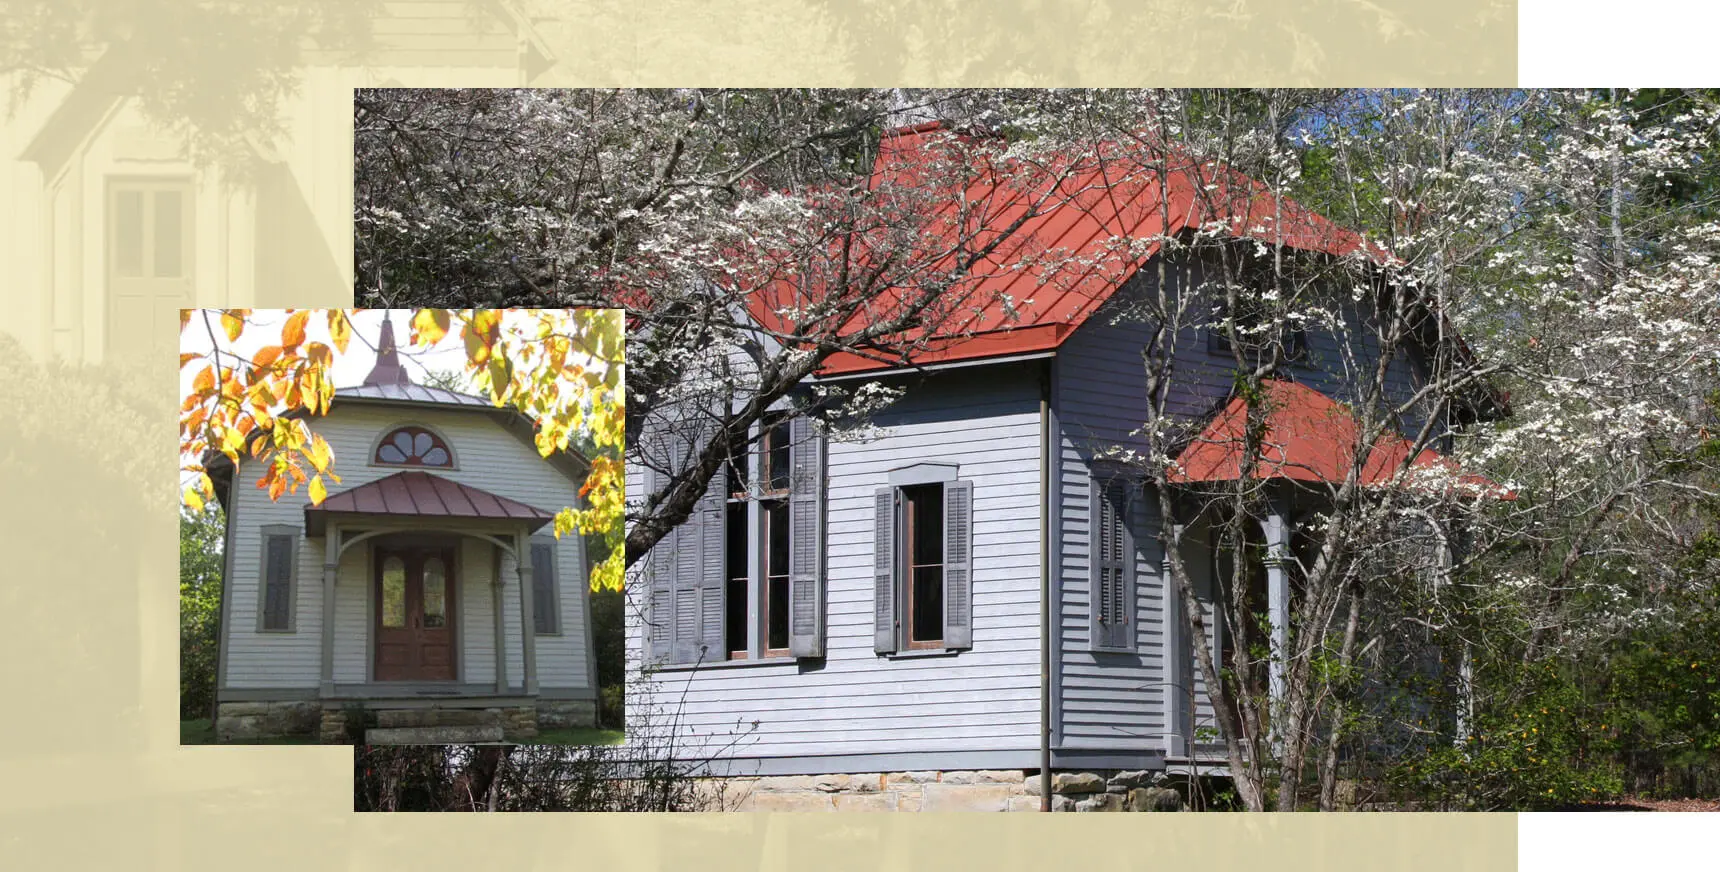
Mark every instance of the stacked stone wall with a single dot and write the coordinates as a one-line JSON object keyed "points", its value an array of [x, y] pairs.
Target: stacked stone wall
{"points": [[931, 790]]}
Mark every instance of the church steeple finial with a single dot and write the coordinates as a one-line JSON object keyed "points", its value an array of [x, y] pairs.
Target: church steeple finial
{"points": [[388, 370]]}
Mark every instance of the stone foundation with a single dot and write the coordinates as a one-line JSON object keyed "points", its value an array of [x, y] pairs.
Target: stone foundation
{"points": [[967, 790], [564, 713], [250, 721], [333, 730]]}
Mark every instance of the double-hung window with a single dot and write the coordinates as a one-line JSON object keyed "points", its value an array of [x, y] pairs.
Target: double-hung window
{"points": [[923, 551], [758, 540], [742, 578]]}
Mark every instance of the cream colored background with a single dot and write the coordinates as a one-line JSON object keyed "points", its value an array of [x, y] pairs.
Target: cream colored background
{"points": [[93, 773]]}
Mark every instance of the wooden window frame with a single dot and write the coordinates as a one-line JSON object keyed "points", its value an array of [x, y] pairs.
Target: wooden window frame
{"points": [[755, 493], [905, 551], [437, 441], [554, 611], [292, 534]]}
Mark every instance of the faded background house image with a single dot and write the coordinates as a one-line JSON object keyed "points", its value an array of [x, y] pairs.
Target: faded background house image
{"points": [[910, 607], [116, 222], [426, 599]]}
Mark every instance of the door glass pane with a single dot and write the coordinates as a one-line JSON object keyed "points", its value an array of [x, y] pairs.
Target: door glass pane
{"points": [[393, 593], [435, 594], [128, 233], [169, 234]]}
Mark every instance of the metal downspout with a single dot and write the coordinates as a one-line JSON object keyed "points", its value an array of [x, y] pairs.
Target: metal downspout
{"points": [[1045, 588]]}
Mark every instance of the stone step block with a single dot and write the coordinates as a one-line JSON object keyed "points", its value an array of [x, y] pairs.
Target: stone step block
{"points": [[458, 735]]}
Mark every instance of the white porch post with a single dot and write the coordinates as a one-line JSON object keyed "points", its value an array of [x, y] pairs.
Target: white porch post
{"points": [[1176, 744], [1276, 526], [496, 601], [331, 569], [528, 639]]}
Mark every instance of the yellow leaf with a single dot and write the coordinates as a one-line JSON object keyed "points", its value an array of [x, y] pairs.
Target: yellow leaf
{"points": [[193, 499], [184, 318], [205, 380], [429, 326], [233, 324], [339, 329], [317, 491], [187, 358]]}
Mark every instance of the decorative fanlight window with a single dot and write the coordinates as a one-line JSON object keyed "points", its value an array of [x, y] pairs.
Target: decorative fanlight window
{"points": [[413, 446]]}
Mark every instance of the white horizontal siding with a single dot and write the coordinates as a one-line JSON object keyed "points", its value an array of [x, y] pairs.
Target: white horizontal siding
{"points": [[986, 698], [490, 458]]}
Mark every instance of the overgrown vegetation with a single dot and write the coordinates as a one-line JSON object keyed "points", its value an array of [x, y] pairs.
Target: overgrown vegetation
{"points": [[200, 570]]}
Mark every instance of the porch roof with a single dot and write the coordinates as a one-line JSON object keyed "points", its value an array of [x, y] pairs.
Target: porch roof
{"points": [[421, 494], [1309, 437]]}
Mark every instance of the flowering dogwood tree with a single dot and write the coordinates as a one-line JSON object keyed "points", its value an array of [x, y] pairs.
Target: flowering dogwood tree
{"points": [[1510, 294]]}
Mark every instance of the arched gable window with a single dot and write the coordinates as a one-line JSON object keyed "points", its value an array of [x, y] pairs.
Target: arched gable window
{"points": [[413, 446]]}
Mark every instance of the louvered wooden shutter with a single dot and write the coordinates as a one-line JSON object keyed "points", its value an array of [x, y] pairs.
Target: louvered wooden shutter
{"points": [[1112, 568], [545, 615], [884, 633], [958, 564], [698, 632], [806, 540], [661, 614], [277, 582]]}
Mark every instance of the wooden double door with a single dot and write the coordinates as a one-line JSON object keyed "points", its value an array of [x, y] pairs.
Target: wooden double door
{"points": [[415, 613]]}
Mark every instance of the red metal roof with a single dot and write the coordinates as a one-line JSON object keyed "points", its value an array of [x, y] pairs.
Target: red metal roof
{"points": [[422, 495], [1309, 437], [1060, 264]]}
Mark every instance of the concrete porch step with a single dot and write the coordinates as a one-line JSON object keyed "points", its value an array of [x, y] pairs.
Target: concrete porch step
{"points": [[446, 735]]}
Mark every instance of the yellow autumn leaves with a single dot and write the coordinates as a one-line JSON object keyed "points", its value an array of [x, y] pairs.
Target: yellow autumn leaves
{"points": [[562, 368]]}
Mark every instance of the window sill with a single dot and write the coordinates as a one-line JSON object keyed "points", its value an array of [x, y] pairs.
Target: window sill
{"points": [[924, 652], [729, 664]]}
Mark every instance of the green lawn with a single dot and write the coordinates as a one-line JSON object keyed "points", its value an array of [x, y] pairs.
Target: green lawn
{"points": [[200, 732], [578, 736]]}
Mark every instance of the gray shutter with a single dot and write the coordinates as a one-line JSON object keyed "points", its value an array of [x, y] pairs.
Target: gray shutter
{"points": [[806, 540], [884, 550], [958, 564], [544, 612], [277, 583], [1128, 580], [712, 514], [661, 614], [1112, 567], [698, 632]]}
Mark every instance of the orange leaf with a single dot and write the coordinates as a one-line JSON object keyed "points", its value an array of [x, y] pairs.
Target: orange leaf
{"points": [[184, 318], [187, 358], [266, 356], [293, 335], [205, 380]]}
